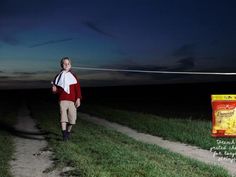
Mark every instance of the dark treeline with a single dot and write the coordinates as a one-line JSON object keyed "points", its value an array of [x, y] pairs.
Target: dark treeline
{"points": [[170, 100]]}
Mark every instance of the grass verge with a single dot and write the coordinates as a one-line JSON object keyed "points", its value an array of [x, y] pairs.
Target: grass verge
{"points": [[189, 131], [7, 119]]}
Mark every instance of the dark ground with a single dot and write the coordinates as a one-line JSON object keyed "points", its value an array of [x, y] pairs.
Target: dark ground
{"points": [[170, 100]]}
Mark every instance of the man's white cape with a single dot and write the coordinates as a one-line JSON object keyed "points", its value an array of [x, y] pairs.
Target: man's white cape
{"points": [[64, 80]]}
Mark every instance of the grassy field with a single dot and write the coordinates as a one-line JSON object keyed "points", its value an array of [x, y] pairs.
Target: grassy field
{"points": [[7, 119], [95, 151], [187, 130]]}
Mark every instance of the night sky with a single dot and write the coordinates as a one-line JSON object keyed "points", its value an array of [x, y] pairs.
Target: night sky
{"points": [[170, 35]]}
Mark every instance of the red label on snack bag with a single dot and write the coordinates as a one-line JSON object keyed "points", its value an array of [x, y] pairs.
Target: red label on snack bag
{"points": [[223, 115]]}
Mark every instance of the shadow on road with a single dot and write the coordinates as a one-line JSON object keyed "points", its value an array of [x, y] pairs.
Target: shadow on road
{"points": [[24, 134]]}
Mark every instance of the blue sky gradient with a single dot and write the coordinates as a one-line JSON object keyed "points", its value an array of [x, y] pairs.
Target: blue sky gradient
{"points": [[174, 35]]}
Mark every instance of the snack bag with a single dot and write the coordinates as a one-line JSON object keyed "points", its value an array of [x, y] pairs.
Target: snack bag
{"points": [[223, 115]]}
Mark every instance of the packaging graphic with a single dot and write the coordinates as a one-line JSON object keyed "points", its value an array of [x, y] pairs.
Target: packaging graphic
{"points": [[223, 115]]}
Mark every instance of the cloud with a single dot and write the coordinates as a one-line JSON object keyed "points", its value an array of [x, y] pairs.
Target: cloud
{"points": [[8, 39], [26, 76], [186, 57], [51, 42], [95, 27], [32, 73], [24, 79], [184, 64], [10, 78], [131, 64], [185, 50], [5, 77], [115, 78], [24, 73], [140, 77]]}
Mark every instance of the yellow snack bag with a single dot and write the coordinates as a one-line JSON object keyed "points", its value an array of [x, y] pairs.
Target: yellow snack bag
{"points": [[223, 115]]}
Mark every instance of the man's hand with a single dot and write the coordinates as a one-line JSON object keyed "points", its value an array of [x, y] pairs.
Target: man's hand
{"points": [[77, 103], [54, 89]]}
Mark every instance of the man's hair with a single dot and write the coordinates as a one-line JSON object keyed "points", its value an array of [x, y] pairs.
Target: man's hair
{"points": [[63, 59]]}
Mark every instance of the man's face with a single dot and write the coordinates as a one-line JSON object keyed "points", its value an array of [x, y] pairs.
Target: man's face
{"points": [[66, 65]]}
